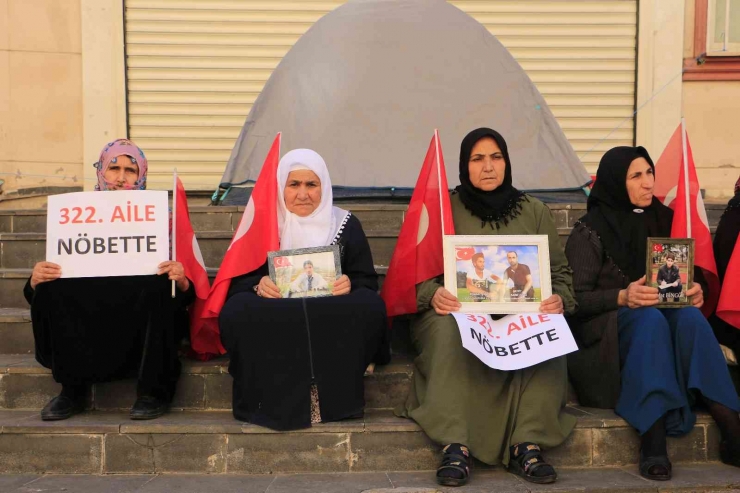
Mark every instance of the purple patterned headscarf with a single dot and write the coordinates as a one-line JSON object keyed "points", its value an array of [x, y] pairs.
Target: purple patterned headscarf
{"points": [[121, 147]]}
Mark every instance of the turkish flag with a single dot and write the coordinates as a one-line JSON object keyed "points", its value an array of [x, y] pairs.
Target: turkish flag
{"points": [[204, 336], [689, 214], [256, 235], [464, 253], [418, 253], [728, 308]]}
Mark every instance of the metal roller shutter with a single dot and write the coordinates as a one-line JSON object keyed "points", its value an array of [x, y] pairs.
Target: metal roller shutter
{"points": [[194, 68]]}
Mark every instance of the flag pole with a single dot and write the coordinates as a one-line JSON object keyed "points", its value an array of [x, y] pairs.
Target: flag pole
{"points": [[173, 254], [686, 177], [439, 180]]}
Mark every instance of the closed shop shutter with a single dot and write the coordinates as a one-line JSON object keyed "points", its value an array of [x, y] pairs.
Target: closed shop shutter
{"points": [[195, 67]]}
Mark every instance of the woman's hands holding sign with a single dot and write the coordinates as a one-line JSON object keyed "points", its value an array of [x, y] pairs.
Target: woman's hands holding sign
{"points": [[45, 272], [176, 272]]}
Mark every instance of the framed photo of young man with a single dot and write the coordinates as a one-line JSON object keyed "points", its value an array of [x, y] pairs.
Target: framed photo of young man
{"points": [[670, 268], [498, 274], [305, 272]]}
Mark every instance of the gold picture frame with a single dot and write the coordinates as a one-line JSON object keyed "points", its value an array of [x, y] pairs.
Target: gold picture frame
{"points": [[673, 276]]}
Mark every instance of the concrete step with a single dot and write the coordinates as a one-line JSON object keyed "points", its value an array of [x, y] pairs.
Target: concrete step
{"points": [[212, 442], [12, 282], [16, 334], [372, 216], [11, 287], [23, 250], [690, 477], [26, 385]]}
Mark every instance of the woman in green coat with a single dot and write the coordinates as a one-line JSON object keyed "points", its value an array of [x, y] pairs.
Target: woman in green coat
{"points": [[497, 416]]}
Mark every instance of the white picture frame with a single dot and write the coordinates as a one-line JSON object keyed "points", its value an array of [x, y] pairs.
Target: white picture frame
{"points": [[497, 280]]}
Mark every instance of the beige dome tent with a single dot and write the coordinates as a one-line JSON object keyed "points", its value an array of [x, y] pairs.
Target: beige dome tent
{"points": [[367, 85]]}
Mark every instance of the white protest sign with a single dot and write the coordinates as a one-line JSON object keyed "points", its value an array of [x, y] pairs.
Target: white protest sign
{"points": [[116, 233], [515, 341]]}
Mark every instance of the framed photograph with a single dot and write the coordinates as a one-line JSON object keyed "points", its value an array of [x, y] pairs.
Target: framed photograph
{"points": [[670, 268], [498, 274], [305, 272]]}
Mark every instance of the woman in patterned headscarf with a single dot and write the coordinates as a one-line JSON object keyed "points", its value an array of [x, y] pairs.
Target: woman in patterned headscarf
{"points": [[97, 329]]}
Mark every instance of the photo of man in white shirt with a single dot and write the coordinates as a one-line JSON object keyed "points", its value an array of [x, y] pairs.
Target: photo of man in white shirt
{"points": [[308, 281], [481, 282]]}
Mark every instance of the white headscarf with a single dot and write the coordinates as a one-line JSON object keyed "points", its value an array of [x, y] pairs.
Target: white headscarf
{"points": [[321, 227]]}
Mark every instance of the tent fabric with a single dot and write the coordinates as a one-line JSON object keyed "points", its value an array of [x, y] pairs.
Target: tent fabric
{"points": [[368, 83]]}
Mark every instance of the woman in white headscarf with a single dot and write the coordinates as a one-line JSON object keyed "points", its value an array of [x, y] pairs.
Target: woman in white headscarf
{"points": [[301, 361]]}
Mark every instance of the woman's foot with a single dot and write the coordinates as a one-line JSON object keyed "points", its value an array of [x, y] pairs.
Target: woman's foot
{"points": [[69, 402], [654, 463], [729, 426], [148, 407], [657, 468], [454, 469], [527, 462], [729, 454]]}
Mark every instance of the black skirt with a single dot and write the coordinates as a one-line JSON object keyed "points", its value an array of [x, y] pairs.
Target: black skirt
{"points": [[279, 348], [91, 330]]}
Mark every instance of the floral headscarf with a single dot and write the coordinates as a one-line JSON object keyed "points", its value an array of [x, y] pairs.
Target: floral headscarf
{"points": [[121, 147]]}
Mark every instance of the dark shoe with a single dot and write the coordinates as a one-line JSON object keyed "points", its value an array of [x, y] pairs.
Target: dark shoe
{"points": [[454, 469], [527, 462], [147, 407], [728, 454], [62, 407], [657, 468]]}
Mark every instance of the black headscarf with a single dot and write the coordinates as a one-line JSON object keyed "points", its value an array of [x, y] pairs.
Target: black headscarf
{"points": [[727, 233], [622, 226], [497, 206]]}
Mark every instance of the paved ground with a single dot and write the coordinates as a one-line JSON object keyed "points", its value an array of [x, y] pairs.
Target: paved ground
{"points": [[699, 478]]}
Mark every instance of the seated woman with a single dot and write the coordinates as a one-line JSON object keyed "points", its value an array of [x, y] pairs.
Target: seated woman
{"points": [[301, 361], [725, 238], [667, 359], [497, 416], [98, 329]]}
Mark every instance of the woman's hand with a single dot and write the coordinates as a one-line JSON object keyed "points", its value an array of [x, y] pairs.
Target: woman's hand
{"points": [[637, 295], [175, 272], [341, 286], [697, 295], [45, 272], [267, 289], [444, 302], [553, 304]]}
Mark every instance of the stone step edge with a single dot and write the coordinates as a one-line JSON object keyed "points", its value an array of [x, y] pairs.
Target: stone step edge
{"points": [[222, 421], [25, 364], [205, 209], [25, 273], [240, 208], [206, 235]]}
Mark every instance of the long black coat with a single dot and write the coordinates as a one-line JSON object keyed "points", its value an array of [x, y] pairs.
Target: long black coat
{"points": [[594, 369]]}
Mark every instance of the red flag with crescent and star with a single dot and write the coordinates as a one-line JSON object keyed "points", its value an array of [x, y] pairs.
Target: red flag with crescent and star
{"points": [[677, 186], [418, 253], [256, 234]]}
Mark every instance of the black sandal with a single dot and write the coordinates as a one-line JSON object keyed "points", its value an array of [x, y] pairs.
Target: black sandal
{"points": [[455, 458], [526, 460], [647, 463]]}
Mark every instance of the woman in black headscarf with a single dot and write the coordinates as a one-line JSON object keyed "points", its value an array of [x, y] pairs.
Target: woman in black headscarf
{"points": [[667, 359], [725, 238], [497, 416]]}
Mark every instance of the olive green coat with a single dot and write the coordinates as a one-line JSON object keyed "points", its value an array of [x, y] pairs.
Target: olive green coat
{"points": [[456, 398]]}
